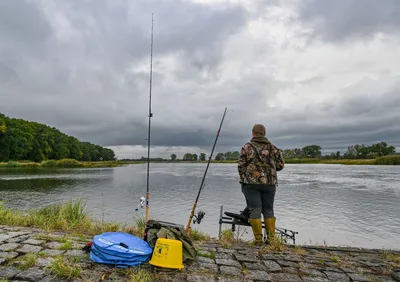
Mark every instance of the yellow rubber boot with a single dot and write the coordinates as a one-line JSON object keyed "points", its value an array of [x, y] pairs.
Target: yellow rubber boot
{"points": [[270, 228], [256, 225]]}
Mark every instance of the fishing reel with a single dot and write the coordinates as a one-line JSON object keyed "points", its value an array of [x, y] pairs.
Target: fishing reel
{"points": [[141, 204], [198, 217]]}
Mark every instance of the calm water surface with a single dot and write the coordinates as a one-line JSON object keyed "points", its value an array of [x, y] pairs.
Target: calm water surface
{"points": [[332, 204]]}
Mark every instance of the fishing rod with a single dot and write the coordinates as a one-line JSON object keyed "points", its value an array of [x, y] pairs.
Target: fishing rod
{"points": [[204, 176], [150, 116]]}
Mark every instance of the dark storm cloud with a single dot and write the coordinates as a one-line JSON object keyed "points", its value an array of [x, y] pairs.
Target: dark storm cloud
{"points": [[342, 19]]}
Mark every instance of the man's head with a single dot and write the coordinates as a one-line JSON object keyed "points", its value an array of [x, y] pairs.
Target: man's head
{"points": [[258, 130]]}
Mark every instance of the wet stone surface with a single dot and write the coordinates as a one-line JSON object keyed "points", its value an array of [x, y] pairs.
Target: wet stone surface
{"points": [[35, 255]]}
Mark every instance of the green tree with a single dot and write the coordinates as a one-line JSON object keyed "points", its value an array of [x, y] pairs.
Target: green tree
{"points": [[312, 151], [25, 140], [173, 157], [202, 157], [293, 153], [187, 157], [219, 157], [382, 149], [235, 155]]}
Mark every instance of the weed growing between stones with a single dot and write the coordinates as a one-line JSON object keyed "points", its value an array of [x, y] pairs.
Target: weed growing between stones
{"points": [[62, 268], [299, 250], [197, 235], [210, 254], [60, 239], [65, 246], [275, 244], [227, 238], [141, 275], [27, 261], [393, 259], [335, 259]]}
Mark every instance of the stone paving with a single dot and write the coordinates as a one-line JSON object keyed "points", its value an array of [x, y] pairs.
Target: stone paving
{"points": [[28, 254]]}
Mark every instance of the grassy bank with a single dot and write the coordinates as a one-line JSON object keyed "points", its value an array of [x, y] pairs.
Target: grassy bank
{"points": [[70, 163], [71, 217], [386, 160], [64, 163]]}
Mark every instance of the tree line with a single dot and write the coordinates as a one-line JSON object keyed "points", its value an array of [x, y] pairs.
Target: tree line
{"points": [[202, 156], [310, 151], [26, 140], [356, 151]]}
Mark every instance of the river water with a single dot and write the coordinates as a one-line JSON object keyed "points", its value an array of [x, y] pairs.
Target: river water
{"points": [[327, 204]]}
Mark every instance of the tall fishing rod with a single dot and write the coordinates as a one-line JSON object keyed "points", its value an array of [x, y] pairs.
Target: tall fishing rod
{"points": [[204, 176], [150, 116]]}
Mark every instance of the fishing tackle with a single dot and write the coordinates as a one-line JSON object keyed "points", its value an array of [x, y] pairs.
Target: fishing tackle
{"points": [[198, 217], [204, 176], [141, 204], [150, 116]]}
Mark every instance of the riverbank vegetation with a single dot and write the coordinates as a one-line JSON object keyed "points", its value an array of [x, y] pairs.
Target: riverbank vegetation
{"points": [[71, 217], [385, 160], [64, 163], [70, 163], [26, 140]]}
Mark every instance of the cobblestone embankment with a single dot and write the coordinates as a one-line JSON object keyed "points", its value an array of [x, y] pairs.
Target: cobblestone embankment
{"points": [[28, 254]]}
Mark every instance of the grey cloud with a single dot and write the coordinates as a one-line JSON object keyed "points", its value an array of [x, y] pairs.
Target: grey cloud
{"points": [[8, 75], [23, 24], [339, 20], [342, 19], [120, 31], [360, 117], [85, 81], [69, 65]]}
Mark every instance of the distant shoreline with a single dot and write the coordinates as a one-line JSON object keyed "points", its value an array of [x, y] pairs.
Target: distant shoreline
{"points": [[70, 163]]}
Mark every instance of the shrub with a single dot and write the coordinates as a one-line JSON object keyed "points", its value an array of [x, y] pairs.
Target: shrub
{"points": [[388, 160]]}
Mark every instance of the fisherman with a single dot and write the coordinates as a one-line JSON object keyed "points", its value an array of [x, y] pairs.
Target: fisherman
{"points": [[258, 165]]}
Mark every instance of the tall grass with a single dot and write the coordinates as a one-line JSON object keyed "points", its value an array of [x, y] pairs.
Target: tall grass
{"points": [[69, 217]]}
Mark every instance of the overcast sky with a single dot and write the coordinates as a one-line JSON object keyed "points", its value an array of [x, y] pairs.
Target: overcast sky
{"points": [[314, 72]]}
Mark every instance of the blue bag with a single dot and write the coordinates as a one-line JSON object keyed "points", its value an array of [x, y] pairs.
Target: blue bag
{"points": [[120, 249]]}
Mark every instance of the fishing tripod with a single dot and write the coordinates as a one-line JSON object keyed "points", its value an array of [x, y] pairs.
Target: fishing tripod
{"points": [[238, 219]]}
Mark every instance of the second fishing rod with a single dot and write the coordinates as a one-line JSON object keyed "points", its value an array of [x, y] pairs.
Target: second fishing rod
{"points": [[204, 176]]}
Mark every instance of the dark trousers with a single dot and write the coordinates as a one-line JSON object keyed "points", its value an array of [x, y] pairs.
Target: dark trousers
{"points": [[259, 199]]}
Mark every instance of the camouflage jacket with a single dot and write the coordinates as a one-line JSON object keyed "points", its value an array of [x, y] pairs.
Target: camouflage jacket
{"points": [[259, 162]]}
